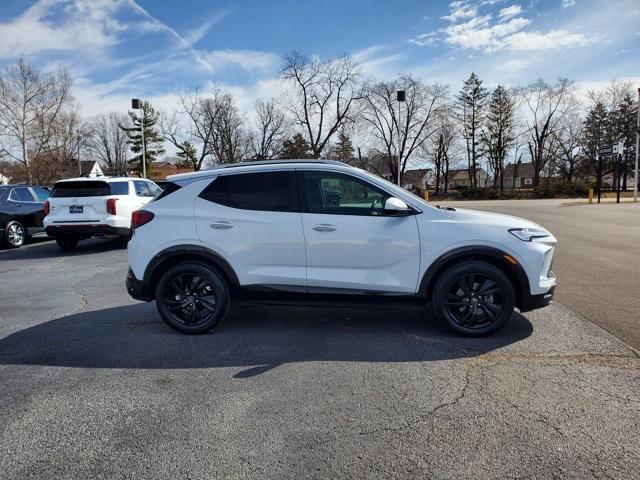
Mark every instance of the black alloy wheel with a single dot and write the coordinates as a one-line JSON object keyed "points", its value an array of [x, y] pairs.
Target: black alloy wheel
{"points": [[474, 298], [14, 234], [192, 298]]}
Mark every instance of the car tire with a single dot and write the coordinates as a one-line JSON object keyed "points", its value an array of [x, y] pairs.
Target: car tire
{"points": [[67, 243], [192, 298], [14, 234], [473, 298]]}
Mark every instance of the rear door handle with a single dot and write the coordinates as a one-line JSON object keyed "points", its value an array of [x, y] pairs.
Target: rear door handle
{"points": [[325, 227], [221, 225]]}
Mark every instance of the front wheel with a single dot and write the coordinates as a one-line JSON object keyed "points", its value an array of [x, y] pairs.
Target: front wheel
{"points": [[192, 298], [67, 243], [473, 298]]}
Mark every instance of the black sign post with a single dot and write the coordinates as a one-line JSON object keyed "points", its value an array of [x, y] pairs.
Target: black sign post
{"points": [[603, 150]]}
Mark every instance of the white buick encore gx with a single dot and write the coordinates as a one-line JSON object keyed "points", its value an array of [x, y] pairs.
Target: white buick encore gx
{"points": [[321, 230]]}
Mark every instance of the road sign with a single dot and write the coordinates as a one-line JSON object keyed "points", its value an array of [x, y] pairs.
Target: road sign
{"points": [[605, 149]]}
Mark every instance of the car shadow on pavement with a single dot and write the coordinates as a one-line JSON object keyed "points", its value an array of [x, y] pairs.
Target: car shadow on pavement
{"points": [[47, 248], [256, 338]]}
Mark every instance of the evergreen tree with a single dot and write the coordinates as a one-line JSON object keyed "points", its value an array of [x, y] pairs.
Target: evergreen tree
{"points": [[296, 147], [471, 102], [343, 150], [153, 140], [498, 132], [188, 155], [595, 135]]}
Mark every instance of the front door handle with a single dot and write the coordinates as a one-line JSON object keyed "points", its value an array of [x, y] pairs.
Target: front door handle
{"points": [[325, 227], [221, 225]]}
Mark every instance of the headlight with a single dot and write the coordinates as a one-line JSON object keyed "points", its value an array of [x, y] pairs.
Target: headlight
{"points": [[528, 234]]}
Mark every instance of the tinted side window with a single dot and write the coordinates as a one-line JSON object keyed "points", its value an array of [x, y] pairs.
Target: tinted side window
{"points": [[154, 189], [252, 191], [41, 193], [119, 188], [339, 194], [22, 194], [141, 189]]}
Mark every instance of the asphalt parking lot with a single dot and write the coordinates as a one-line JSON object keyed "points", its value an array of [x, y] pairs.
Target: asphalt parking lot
{"points": [[93, 384]]}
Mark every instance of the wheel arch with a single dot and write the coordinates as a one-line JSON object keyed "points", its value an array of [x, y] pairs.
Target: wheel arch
{"points": [[175, 255], [493, 256]]}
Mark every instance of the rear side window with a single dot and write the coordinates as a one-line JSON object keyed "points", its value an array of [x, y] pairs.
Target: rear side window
{"points": [[142, 189], [80, 189], [169, 188], [41, 193], [119, 188], [21, 194], [269, 191]]}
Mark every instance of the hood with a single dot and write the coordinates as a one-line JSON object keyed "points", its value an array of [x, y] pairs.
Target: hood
{"points": [[488, 218]]}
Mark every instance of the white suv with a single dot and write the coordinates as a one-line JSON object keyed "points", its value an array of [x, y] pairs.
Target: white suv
{"points": [[322, 230], [80, 208]]}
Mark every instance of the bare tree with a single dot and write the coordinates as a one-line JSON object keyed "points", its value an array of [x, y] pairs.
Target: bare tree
{"points": [[270, 130], [108, 142], [546, 108], [230, 143], [30, 102], [190, 128], [399, 134], [439, 148], [568, 140], [326, 94]]}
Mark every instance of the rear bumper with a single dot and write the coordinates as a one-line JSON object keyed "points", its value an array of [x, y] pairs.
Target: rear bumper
{"points": [[533, 302], [86, 230], [137, 288]]}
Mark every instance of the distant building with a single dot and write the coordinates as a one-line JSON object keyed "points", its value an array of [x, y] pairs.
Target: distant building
{"points": [[88, 168], [522, 173], [159, 169], [4, 180], [459, 178], [419, 178]]}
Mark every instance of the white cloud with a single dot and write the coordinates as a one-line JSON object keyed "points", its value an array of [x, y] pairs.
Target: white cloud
{"points": [[54, 25], [460, 10], [510, 12], [424, 39], [250, 60], [568, 3]]}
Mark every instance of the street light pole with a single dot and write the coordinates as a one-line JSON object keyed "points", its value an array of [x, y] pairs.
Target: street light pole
{"points": [[79, 164], [635, 176], [138, 104], [400, 97]]}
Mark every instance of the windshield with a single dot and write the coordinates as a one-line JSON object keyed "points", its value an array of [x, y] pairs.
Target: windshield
{"points": [[80, 189]]}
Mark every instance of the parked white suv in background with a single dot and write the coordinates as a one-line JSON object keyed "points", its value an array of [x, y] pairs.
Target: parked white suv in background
{"points": [[80, 208], [322, 230]]}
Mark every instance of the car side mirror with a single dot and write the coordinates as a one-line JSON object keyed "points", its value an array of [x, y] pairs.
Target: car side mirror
{"points": [[394, 207]]}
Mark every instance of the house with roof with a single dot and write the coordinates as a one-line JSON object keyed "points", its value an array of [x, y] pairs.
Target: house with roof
{"points": [[459, 178], [417, 179], [519, 176]]}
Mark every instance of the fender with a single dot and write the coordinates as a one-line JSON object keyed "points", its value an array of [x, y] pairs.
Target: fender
{"points": [[480, 252], [191, 251]]}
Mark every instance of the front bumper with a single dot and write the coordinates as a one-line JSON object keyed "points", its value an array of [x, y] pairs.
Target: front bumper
{"points": [[137, 288], [85, 230], [533, 302]]}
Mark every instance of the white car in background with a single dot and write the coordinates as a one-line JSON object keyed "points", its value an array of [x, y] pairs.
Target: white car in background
{"points": [[322, 230], [80, 208]]}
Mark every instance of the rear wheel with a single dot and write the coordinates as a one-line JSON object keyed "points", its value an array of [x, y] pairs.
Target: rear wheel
{"points": [[14, 234], [192, 298], [67, 243], [473, 298]]}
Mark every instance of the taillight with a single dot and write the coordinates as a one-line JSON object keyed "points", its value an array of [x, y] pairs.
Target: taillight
{"points": [[111, 206], [47, 207], [140, 217]]}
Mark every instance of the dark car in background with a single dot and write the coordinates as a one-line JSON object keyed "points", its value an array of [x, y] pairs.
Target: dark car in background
{"points": [[21, 213]]}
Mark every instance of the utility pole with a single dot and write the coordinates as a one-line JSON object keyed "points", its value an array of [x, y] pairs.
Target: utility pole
{"points": [[635, 176], [79, 164], [400, 97]]}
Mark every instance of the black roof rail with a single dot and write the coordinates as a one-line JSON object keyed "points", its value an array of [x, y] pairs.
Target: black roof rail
{"points": [[277, 162]]}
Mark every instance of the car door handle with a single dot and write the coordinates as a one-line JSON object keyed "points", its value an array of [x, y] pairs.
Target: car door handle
{"points": [[221, 225], [324, 227]]}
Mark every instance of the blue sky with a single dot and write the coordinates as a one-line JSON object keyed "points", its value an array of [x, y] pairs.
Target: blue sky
{"points": [[117, 49]]}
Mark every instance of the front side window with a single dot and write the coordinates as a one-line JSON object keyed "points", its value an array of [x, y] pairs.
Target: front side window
{"points": [[21, 194], [335, 193], [268, 191]]}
